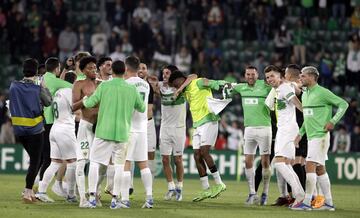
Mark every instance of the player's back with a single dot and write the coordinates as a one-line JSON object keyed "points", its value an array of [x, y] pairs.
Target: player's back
{"points": [[63, 114], [139, 120]]}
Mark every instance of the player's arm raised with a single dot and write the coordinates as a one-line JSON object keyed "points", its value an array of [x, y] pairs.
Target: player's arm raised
{"points": [[188, 80], [212, 84]]}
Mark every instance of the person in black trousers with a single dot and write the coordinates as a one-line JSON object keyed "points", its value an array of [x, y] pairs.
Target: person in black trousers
{"points": [[27, 100]]}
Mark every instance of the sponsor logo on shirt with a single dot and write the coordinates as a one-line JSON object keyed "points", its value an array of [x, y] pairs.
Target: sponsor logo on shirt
{"points": [[251, 101], [308, 112]]}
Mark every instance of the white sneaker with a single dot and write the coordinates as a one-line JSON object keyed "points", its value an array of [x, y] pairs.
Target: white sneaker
{"points": [[178, 194], [326, 207], [85, 204], [119, 204], [149, 203], [252, 199], [42, 196], [58, 190], [170, 194]]}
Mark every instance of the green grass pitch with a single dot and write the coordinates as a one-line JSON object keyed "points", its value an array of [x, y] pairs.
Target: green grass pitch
{"points": [[229, 204]]}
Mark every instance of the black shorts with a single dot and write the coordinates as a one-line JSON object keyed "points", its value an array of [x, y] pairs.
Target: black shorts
{"points": [[302, 150]]}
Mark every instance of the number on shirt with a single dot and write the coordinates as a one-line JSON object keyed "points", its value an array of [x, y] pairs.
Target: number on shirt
{"points": [[55, 110], [142, 95], [84, 145]]}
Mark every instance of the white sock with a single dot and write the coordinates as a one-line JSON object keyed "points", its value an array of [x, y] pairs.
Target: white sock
{"points": [[325, 186], [266, 174], [152, 166], [171, 185], [48, 176], [146, 178], [204, 182], [125, 185], [70, 178], [217, 177], [296, 177], [318, 188], [287, 175], [310, 187], [250, 177], [110, 177], [119, 171], [281, 184], [102, 175], [132, 169], [80, 178], [93, 176], [179, 185]]}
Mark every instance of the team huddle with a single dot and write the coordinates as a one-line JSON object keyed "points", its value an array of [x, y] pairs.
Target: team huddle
{"points": [[102, 114]]}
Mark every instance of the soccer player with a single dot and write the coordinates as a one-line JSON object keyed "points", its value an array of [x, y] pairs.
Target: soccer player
{"points": [[137, 145], [53, 83], [292, 74], [85, 135], [318, 103], [257, 123], [62, 142], [79, 74], [117, 101], [26, 103], [286, 103], [206, 129], [104, 66], [151, 131]]}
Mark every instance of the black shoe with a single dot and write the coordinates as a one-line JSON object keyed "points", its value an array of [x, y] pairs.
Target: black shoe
{"points": [[131, 191], [281, 202]]}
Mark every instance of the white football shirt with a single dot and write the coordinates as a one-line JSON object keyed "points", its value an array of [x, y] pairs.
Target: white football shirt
{"points": [[62, 108], [285, 109]]}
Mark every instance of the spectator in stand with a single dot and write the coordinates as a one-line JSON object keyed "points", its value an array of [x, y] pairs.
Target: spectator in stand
{"points": [[58, 17], [141, 35], [49, 43], [67, 43], [326, 68], [116, 13], [339, 76], [142, 12], [262, 23], [169, 22], [99, 42], [352, 114], [220, 143], [118, 54], [195, 13], [299, 40], [113, 40], [2, 21], [33, 45], [260, 63], [282, 42], [83, 38], [353, 60], [342, 140], [126, 47], [215, 19], [355, 139], [16, 36], [339, 10], [307, 7], [183, 60], [196, 48], [355, 19], [34, 17], [279, 12], [200, 66]]}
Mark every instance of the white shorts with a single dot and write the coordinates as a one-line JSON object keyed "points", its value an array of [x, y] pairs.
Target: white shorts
{"points": [[205, 134], [84, 140], [137, 148], [318, 149], [151, 135], [257, 136], [172, 140], [103, 150], [62, 142], [284, 142]]}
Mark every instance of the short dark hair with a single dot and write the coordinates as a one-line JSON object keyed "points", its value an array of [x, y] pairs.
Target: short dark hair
{"points": [[30, 67], [274, 68], [51, 64], [70, 77], [102, 60], [170, 67], [85, 61], [175, 75], [250, 67], [80, 55], [118, 67], [132, 63], [293, 69]]}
